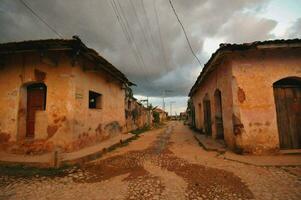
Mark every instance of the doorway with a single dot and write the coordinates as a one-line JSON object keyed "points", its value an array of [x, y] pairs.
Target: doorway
{"points": [[36, 100], [207, 116], [218, 114], [287, 94]]}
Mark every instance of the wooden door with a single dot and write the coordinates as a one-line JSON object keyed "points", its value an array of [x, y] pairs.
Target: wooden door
{"points": [[36, 99], [288, 108], [207, 117], [219, 115]]}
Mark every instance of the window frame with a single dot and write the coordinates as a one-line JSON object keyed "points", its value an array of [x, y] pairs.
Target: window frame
{"points": [[98, 104]]}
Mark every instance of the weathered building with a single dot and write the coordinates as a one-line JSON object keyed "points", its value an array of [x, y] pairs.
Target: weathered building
{"points": [[183, 116], [137, 116], [58, 93], [250, 96], [159, 115]]}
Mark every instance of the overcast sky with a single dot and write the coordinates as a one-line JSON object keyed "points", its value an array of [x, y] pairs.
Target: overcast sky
{"points": [[143, 38]]}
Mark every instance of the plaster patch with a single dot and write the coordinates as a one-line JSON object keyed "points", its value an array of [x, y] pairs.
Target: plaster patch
{"points": [[4, 137], [51, 130], [238, 127], [241, 95]]}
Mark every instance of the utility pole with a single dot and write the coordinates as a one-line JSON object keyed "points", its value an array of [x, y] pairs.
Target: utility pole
{"points": [[163, 103], [170, 106], [163, 96], [145, 100]]}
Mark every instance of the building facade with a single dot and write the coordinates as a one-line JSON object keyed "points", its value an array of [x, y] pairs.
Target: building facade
{"points": [[159, 115], [58, 94], [250, 96], [137, 116]]}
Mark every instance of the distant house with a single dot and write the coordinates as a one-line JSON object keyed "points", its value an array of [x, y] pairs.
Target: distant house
{"points": [[161, 114], [58, 93], [137, 116], [183, 116], [250, 96]]}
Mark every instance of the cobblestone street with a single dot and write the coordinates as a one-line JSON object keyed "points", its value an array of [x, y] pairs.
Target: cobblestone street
{"points": [[165, 163]]}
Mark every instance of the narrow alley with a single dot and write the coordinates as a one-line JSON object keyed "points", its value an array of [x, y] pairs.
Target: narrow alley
{"points": [[165, 163]]}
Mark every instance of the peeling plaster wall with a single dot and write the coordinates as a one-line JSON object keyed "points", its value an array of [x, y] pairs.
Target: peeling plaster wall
{"points": [[220, 78], [67, 122], [137, 116], [92, 125], [254, 73], [22, 69]]}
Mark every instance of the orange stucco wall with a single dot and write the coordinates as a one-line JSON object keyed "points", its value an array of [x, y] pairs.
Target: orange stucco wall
{"points": [[109, 120], [221, 79], [254, 73], [246, 79], [67, 121]]}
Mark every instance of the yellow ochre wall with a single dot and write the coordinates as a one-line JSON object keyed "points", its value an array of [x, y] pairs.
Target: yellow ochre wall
{"points": [[254, 73], [67, 122], [220, 79], [246, 79]]}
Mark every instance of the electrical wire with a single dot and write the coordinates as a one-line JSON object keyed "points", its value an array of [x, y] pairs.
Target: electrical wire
{"points": [[170, 2], [142, 29], [40, 18], [148, 25], [136, 52], [130, 32], [160, 35], [124, 30]]}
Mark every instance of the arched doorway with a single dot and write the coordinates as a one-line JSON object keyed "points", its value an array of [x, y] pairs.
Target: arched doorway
{"points": [[218, 114], [36, 100], [287, 93], [207, 115]]}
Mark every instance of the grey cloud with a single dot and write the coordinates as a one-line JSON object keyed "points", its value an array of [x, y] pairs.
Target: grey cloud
{"points": [[97, 25], [247, 28], [295, 30]]}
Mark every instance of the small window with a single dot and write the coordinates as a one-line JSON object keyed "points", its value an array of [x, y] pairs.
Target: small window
{"points": [[95, 100]]}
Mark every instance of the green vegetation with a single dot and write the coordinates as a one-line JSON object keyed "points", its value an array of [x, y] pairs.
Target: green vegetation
{"points": [[156, 117], [141, 130]]}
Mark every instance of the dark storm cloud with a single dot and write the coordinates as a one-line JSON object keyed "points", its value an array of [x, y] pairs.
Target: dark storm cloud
{"points": [[167, 65]]}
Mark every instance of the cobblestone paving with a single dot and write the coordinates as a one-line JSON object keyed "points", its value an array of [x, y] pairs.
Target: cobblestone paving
{"points": [[264, 182], [173, 166]]}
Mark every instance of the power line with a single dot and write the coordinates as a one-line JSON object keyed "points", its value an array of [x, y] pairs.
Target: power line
{"points": [[170, 2], [125, 31], [160, 34], [142, 29], [148, 26], [130, 32], [136, 52], [40, 18], [147, 22], [126, 35]]}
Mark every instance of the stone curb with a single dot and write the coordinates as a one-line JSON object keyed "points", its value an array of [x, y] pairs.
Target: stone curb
{"points": [[55, 160]]}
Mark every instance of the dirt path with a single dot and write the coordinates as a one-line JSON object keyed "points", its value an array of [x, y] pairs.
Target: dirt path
{"points": [[162, 164]]}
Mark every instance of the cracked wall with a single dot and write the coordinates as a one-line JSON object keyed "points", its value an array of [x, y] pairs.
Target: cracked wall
{"points": [[220, 78], [67, 122], [254, 73]]}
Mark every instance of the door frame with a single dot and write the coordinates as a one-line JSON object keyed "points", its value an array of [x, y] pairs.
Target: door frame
{"points": [[219, 123], [207, 115], [285, 135]]}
